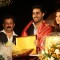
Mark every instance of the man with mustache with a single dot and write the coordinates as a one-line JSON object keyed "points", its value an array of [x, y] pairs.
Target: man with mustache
{"points": [[7, 34], [37, 26]]}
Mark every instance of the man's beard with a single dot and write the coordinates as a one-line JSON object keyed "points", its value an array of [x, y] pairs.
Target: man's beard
{"points": [[37, 21]]}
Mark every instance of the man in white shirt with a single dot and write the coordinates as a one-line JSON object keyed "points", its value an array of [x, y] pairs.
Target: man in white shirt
{"points": [[7, 34]]}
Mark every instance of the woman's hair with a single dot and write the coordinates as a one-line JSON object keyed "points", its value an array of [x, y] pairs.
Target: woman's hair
{"points": [[57, 28]]}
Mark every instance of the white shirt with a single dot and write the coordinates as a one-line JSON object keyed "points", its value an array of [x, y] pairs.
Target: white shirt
{"points": [[35, 29], [8, 50], [11, 38]]}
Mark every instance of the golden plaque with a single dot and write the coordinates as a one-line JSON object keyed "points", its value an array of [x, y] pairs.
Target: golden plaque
{"points": [[25, 45]]}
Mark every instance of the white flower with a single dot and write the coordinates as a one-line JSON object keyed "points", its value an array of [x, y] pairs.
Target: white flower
{"points": [[57, 51], [51, 58], [5, 52], [43, 52]]}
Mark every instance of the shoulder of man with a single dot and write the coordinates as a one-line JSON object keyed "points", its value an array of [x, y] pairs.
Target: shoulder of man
{"points": [[3, 37], [2, 34]]}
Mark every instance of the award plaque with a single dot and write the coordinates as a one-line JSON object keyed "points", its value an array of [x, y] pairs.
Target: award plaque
{"points": [[25, 44]]}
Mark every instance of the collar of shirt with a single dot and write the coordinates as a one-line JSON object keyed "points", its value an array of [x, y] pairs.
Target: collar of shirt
{"points": [[5, 32], [11, 38], [35, 29]]}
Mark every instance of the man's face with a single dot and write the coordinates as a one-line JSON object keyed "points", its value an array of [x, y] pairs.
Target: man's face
{"points": [[37, 15], [58, 17], [8, 24]]}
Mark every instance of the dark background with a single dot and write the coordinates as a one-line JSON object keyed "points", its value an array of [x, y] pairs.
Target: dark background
{"points": [[22, 10]]}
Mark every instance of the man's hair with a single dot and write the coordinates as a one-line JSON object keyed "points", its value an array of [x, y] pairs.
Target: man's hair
{"points": [[39, 7], [8, 17]]}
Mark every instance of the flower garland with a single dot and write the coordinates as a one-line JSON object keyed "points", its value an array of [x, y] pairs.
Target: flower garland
{"points": [[53, 53], [5, 52]]}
